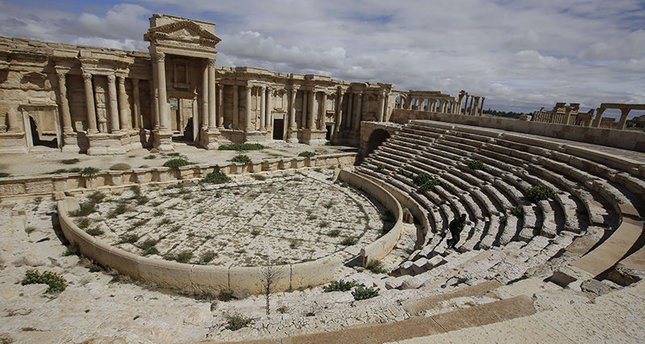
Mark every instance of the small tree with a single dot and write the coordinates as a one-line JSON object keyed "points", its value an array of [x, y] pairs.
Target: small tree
{"points": [[270, 276]]}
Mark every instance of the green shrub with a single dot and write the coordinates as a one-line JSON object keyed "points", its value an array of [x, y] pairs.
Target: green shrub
{"points": [[307, 154], [476, 164], [84, 209], [340, 286], [225, 295], [242, 146], [151, 156], [349, 241], [207, 256], [128, 238], [517, 211], [376, 267], [176, 163], [333, 233], [121, 208], [72, 250], [236, 322], [323, 224], [241, 158], [4, 174], [364, 293], [282, 309], [539, 193], [97, 197], [216, 178], [96, 231], [184, 256], [83, 222], [148, 247], [70, 161], [55, 282], [426, 182], [89, 171], [30, 229], [258, 177]]}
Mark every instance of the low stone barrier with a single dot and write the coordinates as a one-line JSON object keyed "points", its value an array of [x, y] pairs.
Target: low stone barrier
{"points": [[242, 281], [382, 246], [44, 185]]}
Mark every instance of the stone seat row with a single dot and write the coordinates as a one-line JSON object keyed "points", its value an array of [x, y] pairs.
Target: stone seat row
{"points": [[620, 185]]}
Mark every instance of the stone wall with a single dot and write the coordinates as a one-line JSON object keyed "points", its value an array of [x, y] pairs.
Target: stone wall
{"points": [[50, 184]]}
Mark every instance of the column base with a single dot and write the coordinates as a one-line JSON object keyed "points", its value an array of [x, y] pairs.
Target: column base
{"points": [[162, 140], [105, 144], [70, 143], [292, 136]]}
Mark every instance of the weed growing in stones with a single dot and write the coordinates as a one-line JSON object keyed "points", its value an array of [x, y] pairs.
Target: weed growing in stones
{"points": [[139, 223], [349, 241], [5, 174], [165, 221], [426, 182], [376, 267], [30, 229], [55, 282], [323, 224], [70, 161], [148, 247], [96, 231], [364, 293], [242, 147], [158, 212], [72, 250], [258, 177], [225, 295], [89, 172], [328, 204], [476, 164], [282, 309], [333, 233], [517, 211], [83, 222], [216, 178], [235, 322], [176, 163], [340, 286], [307, 154], [540, 193], [184, 256], [150, 157], [207, 257], [241, 158], [129, 238]]}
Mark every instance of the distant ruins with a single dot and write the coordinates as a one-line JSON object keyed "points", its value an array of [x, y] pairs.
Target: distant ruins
{"points": [[107, 101], [570, 115]]}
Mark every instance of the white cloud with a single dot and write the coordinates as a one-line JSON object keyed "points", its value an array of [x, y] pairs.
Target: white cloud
{"points": [[519, 54]]}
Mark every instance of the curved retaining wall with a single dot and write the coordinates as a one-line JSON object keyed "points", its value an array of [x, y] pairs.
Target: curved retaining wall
{"points": [[43, 185], [241, 281], [382, 246]]}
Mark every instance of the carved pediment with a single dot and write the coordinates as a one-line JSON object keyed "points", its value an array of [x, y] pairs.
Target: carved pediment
{"points": [[183, 31]]}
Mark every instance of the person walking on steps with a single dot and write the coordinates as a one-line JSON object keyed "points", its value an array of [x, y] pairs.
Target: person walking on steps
{"points": [[455, 227]]}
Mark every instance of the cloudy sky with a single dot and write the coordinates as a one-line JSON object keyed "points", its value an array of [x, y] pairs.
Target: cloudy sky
{"points": [[520, 54]]}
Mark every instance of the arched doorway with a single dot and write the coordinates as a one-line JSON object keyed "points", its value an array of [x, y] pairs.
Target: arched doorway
{"points": [[377, 137]]}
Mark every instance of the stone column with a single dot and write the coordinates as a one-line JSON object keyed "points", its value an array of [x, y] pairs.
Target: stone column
{"points": [[263, 110], [113, 104], [381, 106], [212, 124], [356, 111], [249, 88], [323, 112], [64, 103], [236, 107], [205, 92], [220, 106], [312, 115], [89, 104], [339, 109], [292, 136], [269, 117], [124, 106], [624, 112], [481, 107], [350, 111], [164, 115], [12, 118], [465, 111], [303, 109], [138, 122]]}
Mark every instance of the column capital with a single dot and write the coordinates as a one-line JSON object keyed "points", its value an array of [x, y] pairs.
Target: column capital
{"points": [[111, 77], [87, 75], [210, 62], [159, 56]]}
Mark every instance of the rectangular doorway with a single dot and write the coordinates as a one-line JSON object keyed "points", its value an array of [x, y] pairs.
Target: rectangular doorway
{"points": [[278, 129], [330, 129]]}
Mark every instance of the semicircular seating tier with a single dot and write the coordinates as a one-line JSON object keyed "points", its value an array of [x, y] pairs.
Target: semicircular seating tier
{"points": [[591, 227]]}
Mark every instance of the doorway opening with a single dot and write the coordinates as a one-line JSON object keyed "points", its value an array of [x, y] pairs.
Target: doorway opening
{"points": [[278, 129], [330, 129], [43, 130]]}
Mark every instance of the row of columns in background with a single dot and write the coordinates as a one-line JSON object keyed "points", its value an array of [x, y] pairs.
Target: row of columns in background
{"points": [[433, 105], [355, 108], [474, 108]]}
